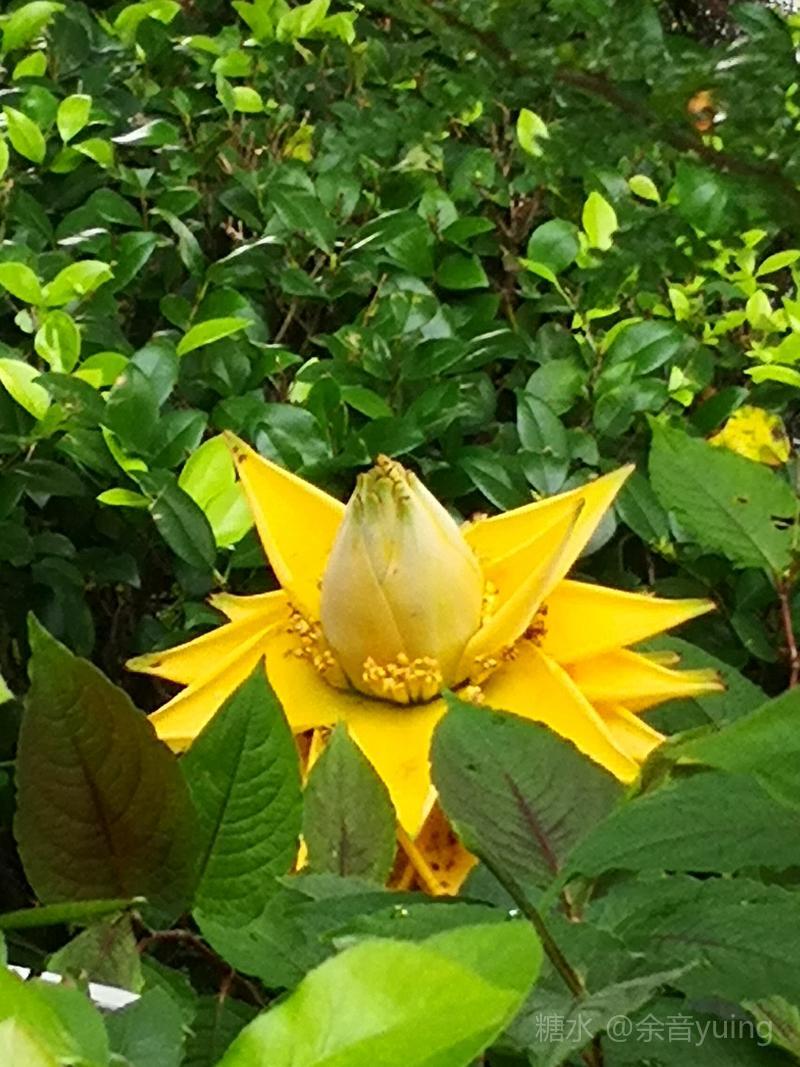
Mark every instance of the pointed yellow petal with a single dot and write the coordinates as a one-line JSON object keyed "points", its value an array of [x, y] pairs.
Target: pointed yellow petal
{"points": [[437, 858], [396, 741], [182, 719], [535, 687], [495, 538], [296, 522], [195, 660], [394, 738], [628, 678], [631, 733], [238, 608], [516, 610], [308, 700], [585, 620]]}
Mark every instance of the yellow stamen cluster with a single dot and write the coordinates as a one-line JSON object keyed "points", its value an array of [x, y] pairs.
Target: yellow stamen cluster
{"points": [[484, 666], [311, 645], [406, 681]]}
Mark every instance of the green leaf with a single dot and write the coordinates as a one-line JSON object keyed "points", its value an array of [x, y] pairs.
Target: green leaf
{"points": [[205, 333], [19, 381], [4, 156], [23, 24], [739, 937], [24, 135], [348, 817], [764, 743], [552, 246], [129, 19], [148, 1032], [301, 20], [247, 100], [104, 952], [78, 914], [102, 808], [67, 1027], [685, 826], [644, 187], [58, 341], [214, 1026], [179, 520], [132, 409], [731, 505], [459, 271], [18, 1046], [244, 778], [520, 796], [599, 221], [72, 115], [32, 66], [76, 281], [778, 261], [21, 282], [123, 498], [301, 210], [530, 130], [393, 1003], [638, 507]]}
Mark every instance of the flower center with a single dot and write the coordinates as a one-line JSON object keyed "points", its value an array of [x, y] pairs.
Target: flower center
{"points": [[406, 681]]}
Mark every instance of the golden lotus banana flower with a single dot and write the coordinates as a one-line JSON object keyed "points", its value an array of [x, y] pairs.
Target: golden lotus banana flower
{"points": [[386, 602]]}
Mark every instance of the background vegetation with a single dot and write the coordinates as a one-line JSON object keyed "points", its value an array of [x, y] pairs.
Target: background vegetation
{"points": [[513, 244]]}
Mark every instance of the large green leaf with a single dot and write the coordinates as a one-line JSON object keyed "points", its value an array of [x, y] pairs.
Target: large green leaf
{"points": [[179, 520], [348, 818], [713, 821], [103, 810], [731, 505], [520, 796], [765, 743], [244, 777], [438, 1003]]}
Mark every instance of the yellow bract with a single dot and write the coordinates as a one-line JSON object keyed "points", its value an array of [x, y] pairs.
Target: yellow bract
{"points": [[387, 602]]}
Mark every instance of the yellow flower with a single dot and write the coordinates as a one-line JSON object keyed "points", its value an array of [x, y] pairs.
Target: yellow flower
{"points": [[756, 435], [386, 602]]}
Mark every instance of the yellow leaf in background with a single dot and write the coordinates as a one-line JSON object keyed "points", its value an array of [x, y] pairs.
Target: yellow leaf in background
{"points": [[755, 434]]}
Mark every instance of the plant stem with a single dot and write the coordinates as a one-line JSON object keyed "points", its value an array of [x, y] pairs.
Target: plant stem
{"points": [[788, 630], [569, 975]]}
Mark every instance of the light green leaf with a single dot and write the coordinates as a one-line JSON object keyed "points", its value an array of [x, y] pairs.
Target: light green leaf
{"points": [[205, 333], [759, 311], [301, 20], [73, 114], [209, 471], [20, 1048], [123, 498], [76, 280], [530, 130], [32, 66], [599, 221], [19, 381], [644, 187], [244, 777], [132, 15], [4, 156], [349, 823], [125, 825], [772, 372], [21, 282], [98, 149], [24, 135], [247, 100], [58, 341], [778, 261], [730, 504], [23, 24], [394, 1003]]}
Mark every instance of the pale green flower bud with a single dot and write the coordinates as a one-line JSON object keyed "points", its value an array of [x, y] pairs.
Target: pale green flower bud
{"points": [[402, 590]]}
